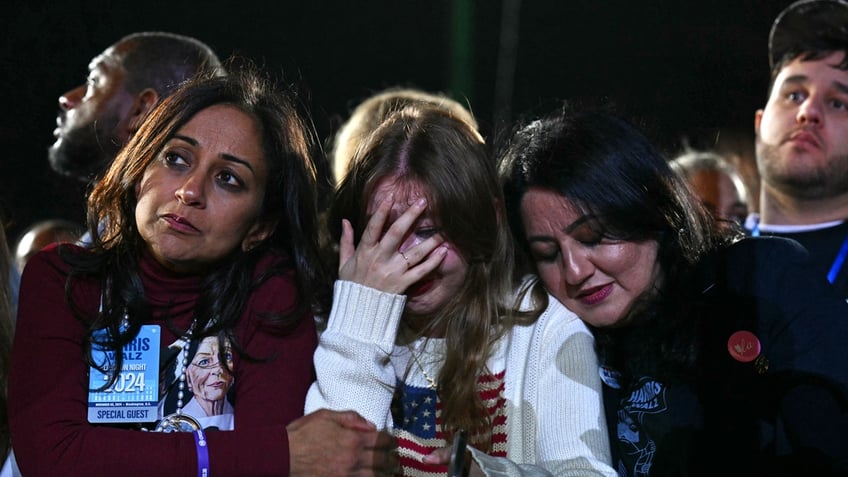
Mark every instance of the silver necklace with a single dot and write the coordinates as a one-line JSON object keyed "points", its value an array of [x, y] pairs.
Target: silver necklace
{"points": [[179, 422], [183, 361], [431, 382]]}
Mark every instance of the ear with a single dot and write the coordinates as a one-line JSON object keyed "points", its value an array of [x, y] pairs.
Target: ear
{"points": [[258, 233], [144, 102], [758, 117]]}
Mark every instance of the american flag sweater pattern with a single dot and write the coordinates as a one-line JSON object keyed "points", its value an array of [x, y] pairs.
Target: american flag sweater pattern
{"points": [[418, 423]]}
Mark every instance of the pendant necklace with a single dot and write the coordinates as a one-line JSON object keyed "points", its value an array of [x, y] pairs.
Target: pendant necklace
{"points": [[179, 422], [431, 382]]}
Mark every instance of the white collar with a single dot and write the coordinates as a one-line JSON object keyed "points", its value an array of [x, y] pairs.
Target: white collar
{"points": [[753, 221]]}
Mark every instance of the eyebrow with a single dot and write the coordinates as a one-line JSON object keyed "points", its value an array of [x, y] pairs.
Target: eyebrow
{"points": [[577, 223], [570, 228], [798, 79], [228, 157]]}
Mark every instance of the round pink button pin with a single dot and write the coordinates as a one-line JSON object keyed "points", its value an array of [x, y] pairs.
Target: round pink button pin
{"points": [[744, 346]]}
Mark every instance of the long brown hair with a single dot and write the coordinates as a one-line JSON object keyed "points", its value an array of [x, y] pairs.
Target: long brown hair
{"points": [[430, 147]]}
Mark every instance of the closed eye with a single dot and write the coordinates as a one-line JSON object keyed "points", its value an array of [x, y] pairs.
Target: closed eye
{"points": [[544, 251], [426, 232], [545, 256]]}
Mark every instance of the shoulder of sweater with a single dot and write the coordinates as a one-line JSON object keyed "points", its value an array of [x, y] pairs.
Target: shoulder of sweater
{"points": [[555, 320]]}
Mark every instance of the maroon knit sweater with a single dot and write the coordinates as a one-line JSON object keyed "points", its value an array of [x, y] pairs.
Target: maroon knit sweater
{"points": [[48, 382]]}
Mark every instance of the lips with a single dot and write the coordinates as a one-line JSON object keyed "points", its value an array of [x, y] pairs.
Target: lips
{"points": [[179, 223], [595, 295], [421, 287], [805, 138]]}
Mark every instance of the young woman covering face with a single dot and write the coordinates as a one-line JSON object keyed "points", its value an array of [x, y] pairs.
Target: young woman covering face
{"points": [[428, 295]]}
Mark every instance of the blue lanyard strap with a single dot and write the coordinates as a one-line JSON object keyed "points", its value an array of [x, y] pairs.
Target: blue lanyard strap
{"points": [[837, 263]]}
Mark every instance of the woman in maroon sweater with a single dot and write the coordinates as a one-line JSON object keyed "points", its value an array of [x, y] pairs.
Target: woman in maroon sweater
{"points": [[202, 227]]}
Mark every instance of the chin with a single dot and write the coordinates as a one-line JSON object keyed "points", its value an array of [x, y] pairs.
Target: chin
{"points": [[423, 305]]}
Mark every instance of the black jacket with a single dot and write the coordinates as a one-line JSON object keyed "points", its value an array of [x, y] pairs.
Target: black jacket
{"points": [[783, 413]]}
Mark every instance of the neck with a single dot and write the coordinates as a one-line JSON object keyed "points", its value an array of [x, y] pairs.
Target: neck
{"points": [[781, 209], [422, 325]]}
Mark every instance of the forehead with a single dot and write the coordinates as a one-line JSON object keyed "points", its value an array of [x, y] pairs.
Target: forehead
{"points": [[547, 208], [109, 61], [824, 70], [404, 193], [227, 127]]}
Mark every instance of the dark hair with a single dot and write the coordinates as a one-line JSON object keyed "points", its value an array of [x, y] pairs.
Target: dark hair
{"points": [[447, 157], [163, 61], [289, 202], [608, 169], [808, 30]]}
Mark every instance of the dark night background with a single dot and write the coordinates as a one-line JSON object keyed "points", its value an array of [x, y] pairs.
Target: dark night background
{"points": [[689, 70]]}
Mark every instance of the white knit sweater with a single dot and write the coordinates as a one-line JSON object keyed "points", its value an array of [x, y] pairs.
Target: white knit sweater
{"points": [[555, 419]]}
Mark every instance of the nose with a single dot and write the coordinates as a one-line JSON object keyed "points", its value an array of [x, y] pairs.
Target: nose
{"points": [[577, 268], [72, 98], [191, 191], [809, 112]]}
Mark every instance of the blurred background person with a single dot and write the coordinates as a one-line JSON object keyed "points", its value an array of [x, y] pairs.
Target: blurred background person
{"points": [[372, 111], [124, 83], [716, 182]]}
